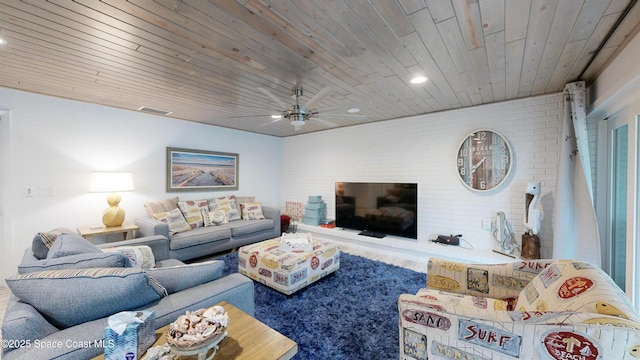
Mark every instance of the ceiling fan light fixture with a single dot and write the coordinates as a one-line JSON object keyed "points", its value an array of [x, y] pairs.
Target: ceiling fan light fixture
{"points": [[276, 116], [419, 79]]}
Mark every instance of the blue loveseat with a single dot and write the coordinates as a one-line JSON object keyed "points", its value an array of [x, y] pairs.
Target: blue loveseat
{"points": [[45, 318]]}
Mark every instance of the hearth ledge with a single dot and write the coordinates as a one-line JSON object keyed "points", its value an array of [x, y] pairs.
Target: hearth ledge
{"points": [[420, 250]]}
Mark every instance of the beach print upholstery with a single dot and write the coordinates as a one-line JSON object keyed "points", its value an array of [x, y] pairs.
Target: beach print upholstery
{"points": [[539, 309]]}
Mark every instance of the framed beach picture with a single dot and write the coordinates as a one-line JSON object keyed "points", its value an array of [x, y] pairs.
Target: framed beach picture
{"points": [[199, 170]]}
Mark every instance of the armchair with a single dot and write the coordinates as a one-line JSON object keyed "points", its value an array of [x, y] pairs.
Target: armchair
{"points": [[540, 309]]}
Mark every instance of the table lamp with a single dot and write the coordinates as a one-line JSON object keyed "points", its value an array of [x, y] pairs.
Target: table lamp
{"points": [[112, 182]]}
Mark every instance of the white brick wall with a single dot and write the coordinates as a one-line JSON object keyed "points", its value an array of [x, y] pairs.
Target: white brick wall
{"points": [[422, 149]]}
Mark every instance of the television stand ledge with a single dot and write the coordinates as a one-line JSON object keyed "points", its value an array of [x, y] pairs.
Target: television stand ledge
{"points": [[417, 250]]}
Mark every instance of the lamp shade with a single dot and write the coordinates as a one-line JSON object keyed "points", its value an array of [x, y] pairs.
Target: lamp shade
{"points": [[107, 181]]}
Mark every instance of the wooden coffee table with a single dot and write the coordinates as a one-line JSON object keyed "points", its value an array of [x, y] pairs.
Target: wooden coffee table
{"points": [[248, 339]]}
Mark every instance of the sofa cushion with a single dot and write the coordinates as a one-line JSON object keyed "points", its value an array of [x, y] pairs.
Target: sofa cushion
{"points": [[161, 206], [79, 261], [214, 218], [140, 256], [226, 204], [244, 199], [23, 324], [449, 301], [42, 241], [251, 211], [199, 236], [569, 285], [71, 244], [191, 211], [72, 296], [174, 219], [250, 227], [168, 263], [184, 276]]}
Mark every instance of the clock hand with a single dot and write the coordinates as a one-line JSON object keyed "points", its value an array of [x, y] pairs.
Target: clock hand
{"points": [[477, 165]]}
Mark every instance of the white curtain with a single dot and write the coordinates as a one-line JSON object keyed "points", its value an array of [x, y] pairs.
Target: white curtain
{"points": [[575, 230]]}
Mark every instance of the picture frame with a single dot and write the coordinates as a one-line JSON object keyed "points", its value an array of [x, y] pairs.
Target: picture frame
{"points": [[201, 170]]}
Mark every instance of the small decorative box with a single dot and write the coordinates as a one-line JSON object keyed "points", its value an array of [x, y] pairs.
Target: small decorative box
{"points": [[315, 198], [297, 241], [321, 206], [328, 223], [308, 220], [129, 334]]}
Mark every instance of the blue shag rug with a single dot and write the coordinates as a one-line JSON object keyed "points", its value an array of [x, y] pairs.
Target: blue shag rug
{"points": [[350, 314]]}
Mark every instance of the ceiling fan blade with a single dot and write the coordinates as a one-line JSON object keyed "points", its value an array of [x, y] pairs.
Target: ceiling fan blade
{"points": [[324, 122], [341, 116], [262, 108], [270, 122], [317, 97], [274, 98], [345, 107]]}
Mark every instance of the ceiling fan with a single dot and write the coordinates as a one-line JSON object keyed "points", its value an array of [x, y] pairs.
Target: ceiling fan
{"points": [[298, 114]]}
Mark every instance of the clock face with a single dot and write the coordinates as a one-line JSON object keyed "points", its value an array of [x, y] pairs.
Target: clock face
{"points": [[483, 160]]}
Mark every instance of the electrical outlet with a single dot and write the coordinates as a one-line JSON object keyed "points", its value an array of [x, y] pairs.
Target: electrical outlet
{"points": [[486, 224]]}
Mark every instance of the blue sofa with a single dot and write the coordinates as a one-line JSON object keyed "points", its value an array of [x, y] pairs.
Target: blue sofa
{"points": [[203, 241], [30, 334]]}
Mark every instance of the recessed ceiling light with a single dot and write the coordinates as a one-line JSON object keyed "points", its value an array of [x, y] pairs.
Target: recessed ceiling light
{"points": [[2, 41], [276, 116], [353, 110], [419, 79]]}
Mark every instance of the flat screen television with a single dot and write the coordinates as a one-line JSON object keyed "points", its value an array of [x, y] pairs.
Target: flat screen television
{"points": [[378, 209]]}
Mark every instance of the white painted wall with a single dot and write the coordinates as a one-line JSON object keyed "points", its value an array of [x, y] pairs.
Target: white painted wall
{"points": [[422, 149], [57, 142]]}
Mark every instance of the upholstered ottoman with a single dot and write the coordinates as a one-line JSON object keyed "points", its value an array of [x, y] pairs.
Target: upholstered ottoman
{"points": [[288, 271]]}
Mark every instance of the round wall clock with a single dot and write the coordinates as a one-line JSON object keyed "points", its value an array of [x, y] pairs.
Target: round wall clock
{"points": [[484, 160]]}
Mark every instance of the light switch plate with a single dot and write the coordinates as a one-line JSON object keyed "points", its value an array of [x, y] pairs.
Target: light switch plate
{"points": [[486, 224]]}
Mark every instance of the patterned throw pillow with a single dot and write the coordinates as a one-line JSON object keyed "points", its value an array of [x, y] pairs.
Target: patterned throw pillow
{"points": [[228, 204], [252, 211], [140, 256], [43, 240], [191, 211], [213, 218], [174, 219], [244, 199], [100, 292], [71, 244], [162, 206]]}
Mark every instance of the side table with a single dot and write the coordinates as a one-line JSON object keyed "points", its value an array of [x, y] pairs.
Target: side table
{"points": [[128, 230]]}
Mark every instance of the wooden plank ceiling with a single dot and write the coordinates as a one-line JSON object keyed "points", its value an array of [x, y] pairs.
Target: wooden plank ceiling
{"points": [[233, 63]]}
